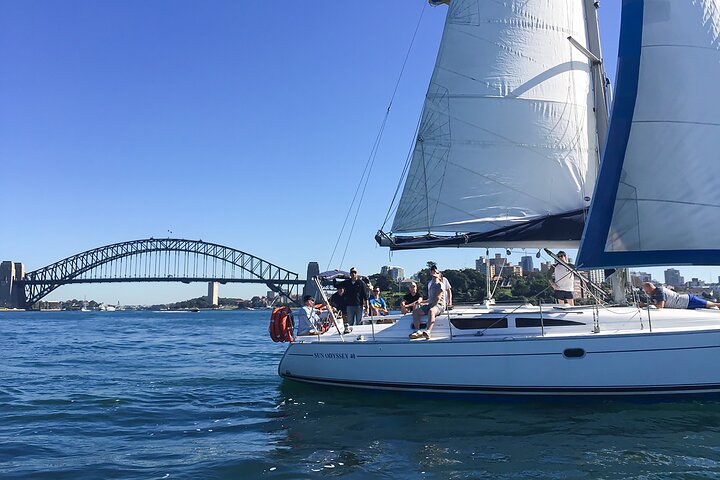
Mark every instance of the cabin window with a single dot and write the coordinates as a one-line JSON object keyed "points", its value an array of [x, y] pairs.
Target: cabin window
{"points": [[547, 322], [479, 323]]}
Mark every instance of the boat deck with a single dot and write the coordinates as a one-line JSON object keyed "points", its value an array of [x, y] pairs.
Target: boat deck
{"points": [[526, 321]]}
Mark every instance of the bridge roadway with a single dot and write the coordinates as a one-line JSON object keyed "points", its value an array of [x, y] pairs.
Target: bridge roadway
{"points": [[221, 281], [148, 260]]}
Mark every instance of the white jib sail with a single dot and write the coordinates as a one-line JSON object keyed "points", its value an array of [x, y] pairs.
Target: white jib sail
{"points": [[667, 198], [508, 132]]}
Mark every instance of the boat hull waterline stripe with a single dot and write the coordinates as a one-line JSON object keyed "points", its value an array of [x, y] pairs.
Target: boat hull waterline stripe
{"points": [[524, 390], [538, 354]]}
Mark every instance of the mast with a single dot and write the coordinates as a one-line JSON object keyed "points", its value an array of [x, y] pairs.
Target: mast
{"points": [[488, 293], [598, 73], [594, 53]]}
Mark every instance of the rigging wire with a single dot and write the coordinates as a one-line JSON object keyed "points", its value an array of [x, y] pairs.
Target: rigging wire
{"points": [[373, 153], [408, 161]]}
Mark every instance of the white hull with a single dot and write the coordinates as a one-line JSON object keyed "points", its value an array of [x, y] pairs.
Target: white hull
{"points": [[680, 356]]}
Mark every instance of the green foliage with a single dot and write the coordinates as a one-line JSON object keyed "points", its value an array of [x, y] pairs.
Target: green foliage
{"points": [[385, 282], [469, 286]]}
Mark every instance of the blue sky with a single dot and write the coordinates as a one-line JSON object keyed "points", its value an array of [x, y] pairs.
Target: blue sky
{"points": [[242, 123]]}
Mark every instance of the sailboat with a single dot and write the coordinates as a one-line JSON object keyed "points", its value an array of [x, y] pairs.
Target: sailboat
{"points": [[506, 156]]}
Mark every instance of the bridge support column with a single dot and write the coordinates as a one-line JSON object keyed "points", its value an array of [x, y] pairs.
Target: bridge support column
{"points": [[313, 270], [213, 293], [12, 292]]}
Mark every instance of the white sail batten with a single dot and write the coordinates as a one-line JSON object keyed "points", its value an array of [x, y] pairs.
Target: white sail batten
{"points": [[656, 203], [507, 135]]}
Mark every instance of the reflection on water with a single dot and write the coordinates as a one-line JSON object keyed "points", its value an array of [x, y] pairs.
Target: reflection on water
{"points": [[143, 395], [399, 436]]}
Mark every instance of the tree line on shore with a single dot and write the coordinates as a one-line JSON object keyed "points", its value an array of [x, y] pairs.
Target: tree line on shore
{"points": [[470, 286]]}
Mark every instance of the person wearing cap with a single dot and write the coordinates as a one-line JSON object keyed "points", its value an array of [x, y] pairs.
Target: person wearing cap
{"points": [[411, 299], [356, 299], [309, 322], [377, 303], [562, 280], [446, 287]]}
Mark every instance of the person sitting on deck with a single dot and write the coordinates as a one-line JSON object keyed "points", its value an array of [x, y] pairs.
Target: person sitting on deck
{"points": [[665, 298], [337, 301], [432, 307], [377, 303], [411, 299], [446, 287], [309, 322]]}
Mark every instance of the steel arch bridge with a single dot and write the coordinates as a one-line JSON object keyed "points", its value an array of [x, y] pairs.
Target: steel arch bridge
{"points": [[159, 260]]}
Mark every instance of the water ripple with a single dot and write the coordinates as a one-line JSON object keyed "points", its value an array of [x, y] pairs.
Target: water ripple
{"points": [[141, 395]]}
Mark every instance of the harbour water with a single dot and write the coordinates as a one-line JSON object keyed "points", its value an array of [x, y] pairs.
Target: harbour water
{"points": [[182, 395]]}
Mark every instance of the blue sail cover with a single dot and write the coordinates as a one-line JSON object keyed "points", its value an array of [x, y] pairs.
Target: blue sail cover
{"points": [[657, 201]]}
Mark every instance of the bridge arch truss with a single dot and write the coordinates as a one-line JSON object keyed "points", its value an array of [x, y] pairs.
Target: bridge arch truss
{"points": [[160, 260]]}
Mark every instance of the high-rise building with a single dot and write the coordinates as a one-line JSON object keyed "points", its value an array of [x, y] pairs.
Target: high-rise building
{"points": [[498, 266], [673, 277], [526, 263], [638, 278], [596, 276], [396, 273], [481, 265]]}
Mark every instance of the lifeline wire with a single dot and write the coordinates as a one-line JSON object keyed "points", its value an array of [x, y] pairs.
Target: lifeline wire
{"points": [[373, 153]]}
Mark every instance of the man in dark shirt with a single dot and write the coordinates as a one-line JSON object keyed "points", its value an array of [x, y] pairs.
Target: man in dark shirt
{"points": [[356, 299], [337, 301], [411, 299]]}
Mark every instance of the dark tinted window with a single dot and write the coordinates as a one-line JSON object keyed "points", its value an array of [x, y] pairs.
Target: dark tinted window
{"points": [[479, 323], [548, 322]]}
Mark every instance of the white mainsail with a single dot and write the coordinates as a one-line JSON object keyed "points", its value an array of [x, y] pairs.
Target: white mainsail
{"points": [[507, 135], [656, 201]]}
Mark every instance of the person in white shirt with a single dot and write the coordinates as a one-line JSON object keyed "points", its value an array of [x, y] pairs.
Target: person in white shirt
{"points": [[562, 280], [446, 287], [309, 322]]}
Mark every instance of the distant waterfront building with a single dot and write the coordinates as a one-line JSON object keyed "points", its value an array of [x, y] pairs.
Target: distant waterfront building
{"points": [[396, 273], [270, 295], [481, 265], [526, 263], [498, 266], [673, 277], [596, 276], [545, 267], [638, 278], [696, 283]]}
